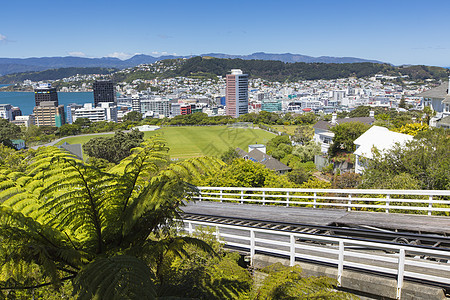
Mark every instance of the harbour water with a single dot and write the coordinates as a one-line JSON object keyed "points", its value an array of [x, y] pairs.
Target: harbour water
{"points": [[25, 100]]}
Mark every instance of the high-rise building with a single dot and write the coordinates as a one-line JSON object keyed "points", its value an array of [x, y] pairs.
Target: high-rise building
{"points": [[44, 93], [16, 112], [70, 110], [236, 93], [104, 91], [6, 111], [156, 105], [48, 114]]}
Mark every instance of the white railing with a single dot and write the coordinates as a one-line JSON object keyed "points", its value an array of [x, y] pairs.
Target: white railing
{"points": [[404, 201], [395, 260]]}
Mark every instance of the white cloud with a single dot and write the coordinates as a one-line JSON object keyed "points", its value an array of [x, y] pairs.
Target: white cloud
{"points": [[122, 55], [2, 37], [157, 53], [77, 53]]}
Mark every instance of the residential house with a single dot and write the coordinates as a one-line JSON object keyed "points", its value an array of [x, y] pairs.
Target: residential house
{"points": [[377, 137], [265, 159], [324, 136], [438, 99]]}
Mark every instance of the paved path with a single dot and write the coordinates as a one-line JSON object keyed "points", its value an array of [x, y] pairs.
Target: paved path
{"points": [[53, 143]]}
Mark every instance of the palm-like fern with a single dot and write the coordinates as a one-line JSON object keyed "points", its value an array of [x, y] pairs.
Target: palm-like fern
{"points": [[61, 214]]}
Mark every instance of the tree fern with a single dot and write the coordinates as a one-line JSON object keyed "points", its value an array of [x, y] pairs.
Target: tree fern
{"points": [[61, 215], [117, 277]]}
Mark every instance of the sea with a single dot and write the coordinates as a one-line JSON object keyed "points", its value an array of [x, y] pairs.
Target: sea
{"points": [[25, 100]]}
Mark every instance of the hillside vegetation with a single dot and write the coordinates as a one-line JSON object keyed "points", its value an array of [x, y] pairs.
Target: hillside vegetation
{"points": [[209, 67], [53, 74]]}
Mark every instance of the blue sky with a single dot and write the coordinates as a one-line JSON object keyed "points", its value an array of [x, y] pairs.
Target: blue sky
{"points": [[395, 31]]}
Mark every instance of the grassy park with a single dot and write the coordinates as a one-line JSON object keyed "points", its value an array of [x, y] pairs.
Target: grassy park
{"points": [[192, 141]]}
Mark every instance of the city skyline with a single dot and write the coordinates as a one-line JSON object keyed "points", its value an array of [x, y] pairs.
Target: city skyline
{"points": [[397, 32]]}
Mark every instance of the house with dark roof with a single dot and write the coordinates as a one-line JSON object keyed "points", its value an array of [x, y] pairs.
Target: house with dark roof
{"points": [[324, 136], [438, 99], [265, 159]]}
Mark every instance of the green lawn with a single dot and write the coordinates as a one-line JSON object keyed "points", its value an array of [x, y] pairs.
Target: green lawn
{"points": [[289, 129], [193, 141], [80, 139]]}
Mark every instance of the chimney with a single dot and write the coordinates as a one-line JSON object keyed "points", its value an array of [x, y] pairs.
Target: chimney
{"points": [[448, 89], [372, 114], [333, 118]]}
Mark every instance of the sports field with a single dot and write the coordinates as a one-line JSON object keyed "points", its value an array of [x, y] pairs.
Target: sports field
{"points": [[192, 141], [289, 129]]}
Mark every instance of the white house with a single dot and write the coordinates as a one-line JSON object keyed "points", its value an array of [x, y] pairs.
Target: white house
{"points": [[377, 137], [324, 136], [438, 99]]}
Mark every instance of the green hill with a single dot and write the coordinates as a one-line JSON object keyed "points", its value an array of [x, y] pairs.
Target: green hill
{"points": [[53, 74]]}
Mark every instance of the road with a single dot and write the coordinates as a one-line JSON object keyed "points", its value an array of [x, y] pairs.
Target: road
{"points": [[53, 143]]}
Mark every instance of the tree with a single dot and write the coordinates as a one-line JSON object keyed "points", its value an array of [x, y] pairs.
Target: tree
{"points": [[279, 146], [303, 134], [306, 118], [69, 129], [423, 163], [307, 152], [65, 220], [83, 122], [132, 116], [344, 136], [298, 176], [8, 132], [412, 128], [360, 111], [229, 156], [428, 114], [289, 283], [115, 148], [246, 173]]}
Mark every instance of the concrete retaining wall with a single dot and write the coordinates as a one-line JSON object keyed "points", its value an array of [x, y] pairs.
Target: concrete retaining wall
{"points": [[371, 286]]}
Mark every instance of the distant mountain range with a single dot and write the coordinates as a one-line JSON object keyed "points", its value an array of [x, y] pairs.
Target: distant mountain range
{"points": [[16, 65]]}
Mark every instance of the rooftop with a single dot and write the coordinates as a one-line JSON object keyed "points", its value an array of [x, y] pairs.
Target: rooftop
{"points": [[437, 92], [381, 138]]}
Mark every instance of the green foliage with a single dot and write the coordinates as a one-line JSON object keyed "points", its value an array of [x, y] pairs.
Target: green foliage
{"points": [[307, 152], [201, 275], [347, 180], [113, 149], [198, 118], [69, 129], [61, 219], [229, 156], [117, 277], [360, 111], [315, 183], [303, 134], [344, 136], [8, 132], [423, 163], [279, 146], [243, 173], [82, 122], [298, 176], [53, 74], [412, 128], [307, 119], [277, 70], [283, 283], [132, 116]]}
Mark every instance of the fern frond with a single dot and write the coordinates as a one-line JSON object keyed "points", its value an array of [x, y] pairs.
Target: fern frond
{"points": [[118, 277]]}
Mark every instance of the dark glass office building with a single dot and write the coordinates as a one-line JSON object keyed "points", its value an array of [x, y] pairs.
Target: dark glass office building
{"points": [[104, 91], [44, 93]]}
